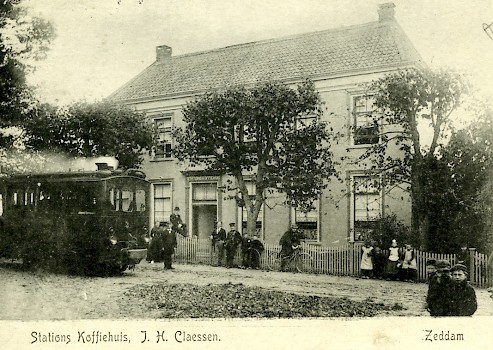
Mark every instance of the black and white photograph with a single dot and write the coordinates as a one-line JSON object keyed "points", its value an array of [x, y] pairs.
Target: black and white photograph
{"points": [[246, 174]]}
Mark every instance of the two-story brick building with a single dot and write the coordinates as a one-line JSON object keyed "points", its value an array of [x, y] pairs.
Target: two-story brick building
{"points": [[340, 62]]}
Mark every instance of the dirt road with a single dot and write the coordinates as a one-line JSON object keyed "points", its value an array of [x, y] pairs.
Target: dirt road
{"points": [[46, 296]]}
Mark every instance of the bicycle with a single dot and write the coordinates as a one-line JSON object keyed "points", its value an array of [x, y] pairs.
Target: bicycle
{"points": [[298, 261]]}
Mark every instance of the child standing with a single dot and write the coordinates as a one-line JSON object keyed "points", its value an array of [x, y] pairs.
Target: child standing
{"points": [[366, 261], [393, 261], [409, 268], [461, 297], [379, 260]]}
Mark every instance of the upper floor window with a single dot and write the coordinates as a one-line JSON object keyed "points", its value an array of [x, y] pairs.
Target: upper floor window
{"points": [[304, 121], [163, 146], [365, 125]]}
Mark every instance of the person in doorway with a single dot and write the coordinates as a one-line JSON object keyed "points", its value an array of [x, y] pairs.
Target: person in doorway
{"points": [[366, 264], [393, 261], [233, 240], [169, 246], [289, 241], [409, 268]]}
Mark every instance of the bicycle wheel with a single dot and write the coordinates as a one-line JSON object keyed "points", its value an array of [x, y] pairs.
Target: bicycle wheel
{"points": [[271, 261], [254, 258], [303, 262]]}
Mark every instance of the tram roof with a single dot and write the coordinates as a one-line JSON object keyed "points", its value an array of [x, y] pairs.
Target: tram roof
{"points": [[76, 175]]}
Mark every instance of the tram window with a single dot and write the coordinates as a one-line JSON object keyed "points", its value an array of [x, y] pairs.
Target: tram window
{"points": [[140, 200], [128, 202]]}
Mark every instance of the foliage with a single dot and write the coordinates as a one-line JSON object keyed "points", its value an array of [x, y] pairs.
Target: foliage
{"points": [[466, 203], [91, 130], [23, 38], [258, 131], [239, 301], [407, 101], [388, 228]]}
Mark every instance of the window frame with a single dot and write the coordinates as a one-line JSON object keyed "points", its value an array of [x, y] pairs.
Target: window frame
{"points": [[166, 217], [167, 132], [354, 122], [352, 202], [294, 221]]}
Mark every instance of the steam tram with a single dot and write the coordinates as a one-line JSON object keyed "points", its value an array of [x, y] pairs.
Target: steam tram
{"points": [[91, 223]]}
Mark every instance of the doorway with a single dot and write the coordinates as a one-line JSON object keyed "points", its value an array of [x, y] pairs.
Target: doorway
{"points": [[204, 217]]}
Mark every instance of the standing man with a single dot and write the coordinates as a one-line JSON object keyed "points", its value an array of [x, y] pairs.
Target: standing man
{"points": [[233, 240], [169, 245], [289, 241], [177, 223], [245, 254], [219, 234]]}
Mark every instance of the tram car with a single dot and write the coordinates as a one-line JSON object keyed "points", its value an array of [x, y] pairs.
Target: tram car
{"points": [[90, 223]]}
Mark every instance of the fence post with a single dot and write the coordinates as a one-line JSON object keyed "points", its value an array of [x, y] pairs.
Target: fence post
{"points": [[472, 265]]}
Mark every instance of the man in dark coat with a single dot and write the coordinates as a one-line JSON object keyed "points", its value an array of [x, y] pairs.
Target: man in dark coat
{"points": [[233, 240], [154, 251], [245, 254], [177, 223], [256, 246], [289, 240], [219, 234], [169, 245]]}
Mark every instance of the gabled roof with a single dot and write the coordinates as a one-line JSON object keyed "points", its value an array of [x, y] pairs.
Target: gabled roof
{"points": [[324, 54]]}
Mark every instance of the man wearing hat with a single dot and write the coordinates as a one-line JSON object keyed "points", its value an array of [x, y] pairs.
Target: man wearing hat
{"points": [[233, 240], [438, 289], [461, 298], [177, 223], [169, 245]]}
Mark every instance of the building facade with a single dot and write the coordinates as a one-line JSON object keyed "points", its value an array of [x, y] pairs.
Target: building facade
{"points": [[341, 62]]}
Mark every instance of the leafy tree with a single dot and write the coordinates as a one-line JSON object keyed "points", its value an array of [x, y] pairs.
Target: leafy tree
{"points": [[407, 101], [90, 130], [262, 132], [468, 202], [23, 39]]}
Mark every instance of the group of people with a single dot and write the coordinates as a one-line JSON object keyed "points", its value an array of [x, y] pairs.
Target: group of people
{"points": [[449, 293], [163, 242], [227, 243], [399, 264]]}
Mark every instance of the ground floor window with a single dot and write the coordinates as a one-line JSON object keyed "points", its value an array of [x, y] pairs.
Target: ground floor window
{"points": [[308, 222], [366, 205], [162, 202]]}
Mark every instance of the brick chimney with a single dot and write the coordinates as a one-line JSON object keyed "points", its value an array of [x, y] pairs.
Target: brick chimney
{"points": [[386, 12], [162, 53]]}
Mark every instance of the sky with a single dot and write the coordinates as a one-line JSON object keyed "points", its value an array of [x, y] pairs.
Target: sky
{"points": [[102, 44]]}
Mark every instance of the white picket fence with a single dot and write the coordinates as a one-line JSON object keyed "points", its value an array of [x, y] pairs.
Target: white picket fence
{"points": [[342, 260]]}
